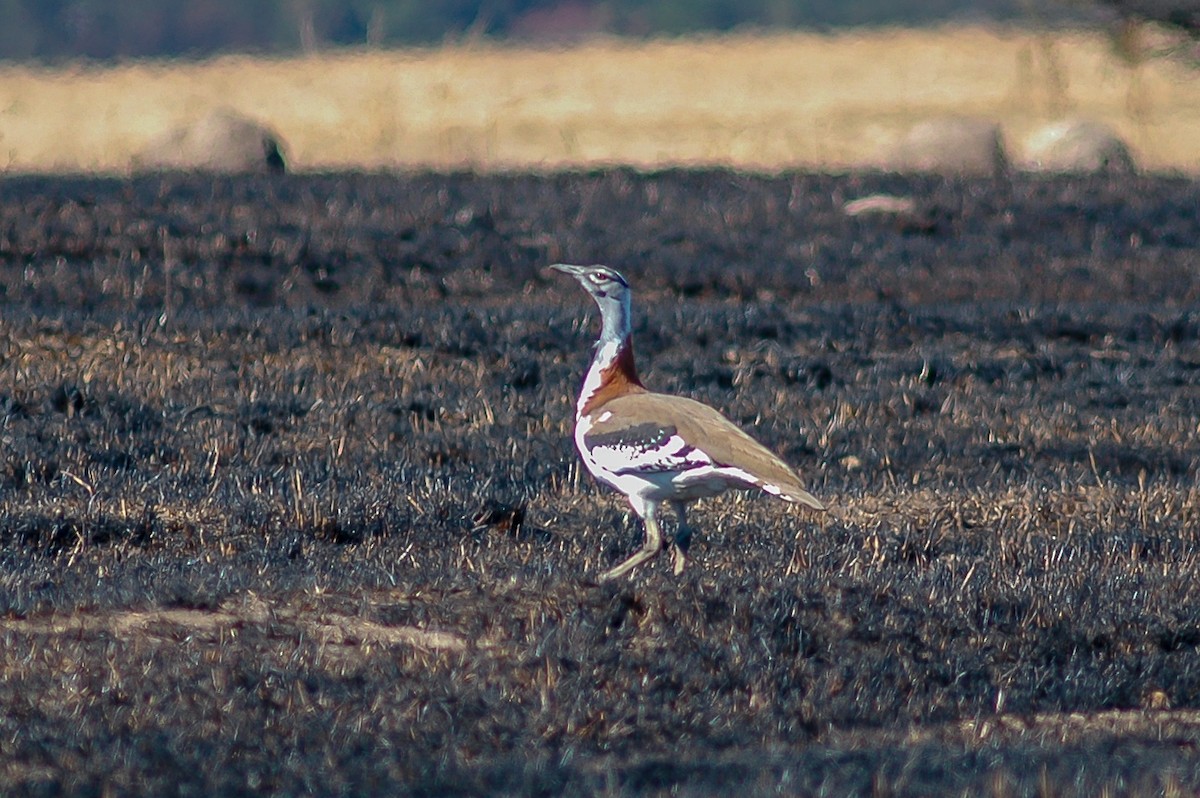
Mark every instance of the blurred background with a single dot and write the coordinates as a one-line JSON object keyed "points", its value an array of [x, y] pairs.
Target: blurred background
{"points": [[107, 29], [120, 85]]}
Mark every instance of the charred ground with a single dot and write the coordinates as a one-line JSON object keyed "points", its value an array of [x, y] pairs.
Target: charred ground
{"points": [[288, 501]]}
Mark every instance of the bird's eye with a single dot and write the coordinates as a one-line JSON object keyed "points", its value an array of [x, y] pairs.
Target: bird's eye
{"points": [[599, 279]]}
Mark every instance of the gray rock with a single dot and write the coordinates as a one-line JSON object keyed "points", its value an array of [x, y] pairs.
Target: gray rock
{"points": [[224, 141], [1077, 146], [952, 146]]}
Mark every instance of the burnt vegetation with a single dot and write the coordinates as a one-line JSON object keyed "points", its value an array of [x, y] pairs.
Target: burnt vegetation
{"points": [[288, 499]]}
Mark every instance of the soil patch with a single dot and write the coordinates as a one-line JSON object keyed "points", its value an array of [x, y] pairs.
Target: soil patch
{"points": [[288, 499]]}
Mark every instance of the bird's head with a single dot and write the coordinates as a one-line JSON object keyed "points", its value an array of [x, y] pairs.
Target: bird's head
{"points": [[610, 291], [599, 281]]}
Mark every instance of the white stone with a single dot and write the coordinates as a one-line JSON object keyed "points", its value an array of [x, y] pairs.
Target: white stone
{"points": [[1077, 146]]}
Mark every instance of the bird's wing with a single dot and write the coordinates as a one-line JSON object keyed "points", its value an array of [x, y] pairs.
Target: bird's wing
{"points": [[643, 447], [652, 430]]}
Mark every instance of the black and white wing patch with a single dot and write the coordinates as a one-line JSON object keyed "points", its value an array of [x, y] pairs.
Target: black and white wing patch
{"points": [[644, 449]]}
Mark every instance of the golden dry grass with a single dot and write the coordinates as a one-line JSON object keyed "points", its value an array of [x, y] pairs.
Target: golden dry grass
{"points": [[795, 100]]}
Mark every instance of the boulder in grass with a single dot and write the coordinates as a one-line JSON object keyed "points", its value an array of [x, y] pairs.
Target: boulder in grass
{"points": [[224, 141], [1077, 147], [951, 146]]}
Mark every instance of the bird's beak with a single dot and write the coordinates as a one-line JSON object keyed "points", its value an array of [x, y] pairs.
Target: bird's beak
{"points": [[567, 268]]}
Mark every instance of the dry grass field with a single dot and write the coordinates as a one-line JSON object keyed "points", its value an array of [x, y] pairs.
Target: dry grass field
{"points": [[289, 503], [797, 100]]}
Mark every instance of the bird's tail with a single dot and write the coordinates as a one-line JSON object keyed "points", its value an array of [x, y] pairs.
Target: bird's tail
{"points": [[801, 496], [790, 493]]}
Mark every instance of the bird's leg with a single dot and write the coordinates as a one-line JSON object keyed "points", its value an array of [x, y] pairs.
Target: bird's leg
{"points": [[683, 538], [652, 545]]}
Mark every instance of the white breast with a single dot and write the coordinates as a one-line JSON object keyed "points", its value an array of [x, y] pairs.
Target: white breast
{"points": [[604, 357]]}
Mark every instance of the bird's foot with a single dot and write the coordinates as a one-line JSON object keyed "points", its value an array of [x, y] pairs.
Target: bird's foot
{"points": [[679, 552], [678, 559], [637, 559]]}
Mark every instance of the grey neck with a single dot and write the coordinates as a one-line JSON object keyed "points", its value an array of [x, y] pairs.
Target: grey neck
{"points": [[615, 315]]}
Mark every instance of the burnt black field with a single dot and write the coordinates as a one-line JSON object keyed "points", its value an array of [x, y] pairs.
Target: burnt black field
{"points": [[289, 503]]}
